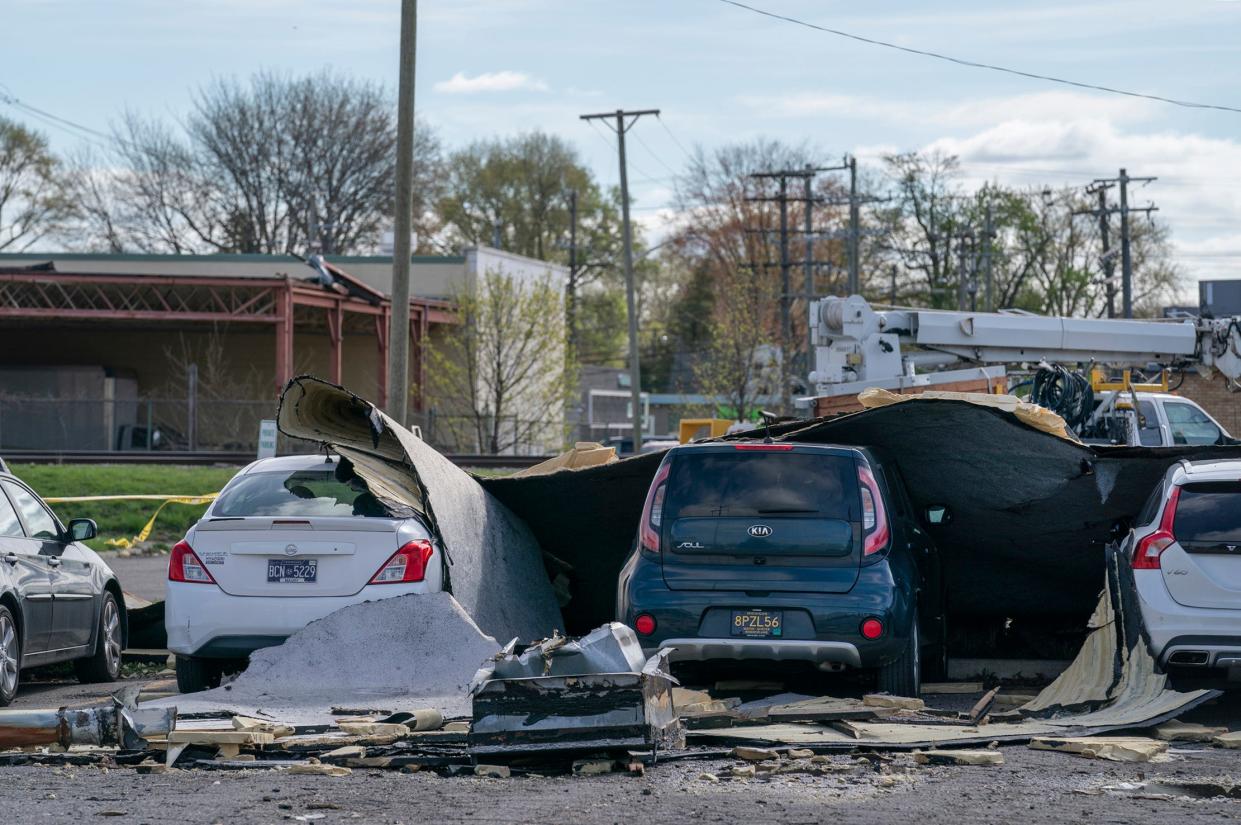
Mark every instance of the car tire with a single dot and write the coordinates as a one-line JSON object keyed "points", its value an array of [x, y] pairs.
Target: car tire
{"points": [[104, 665], [195, 674], [901, 677], [10, 657]]}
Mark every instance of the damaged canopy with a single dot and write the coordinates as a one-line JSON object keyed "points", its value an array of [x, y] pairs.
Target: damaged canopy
{"points": [[492, 562], [1032, 512]]}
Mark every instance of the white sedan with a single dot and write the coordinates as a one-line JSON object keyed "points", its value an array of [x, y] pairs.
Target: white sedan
{"points": [[287, 542]]}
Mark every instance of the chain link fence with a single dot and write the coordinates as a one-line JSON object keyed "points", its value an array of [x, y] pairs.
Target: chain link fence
{"points": [[227, 426]]}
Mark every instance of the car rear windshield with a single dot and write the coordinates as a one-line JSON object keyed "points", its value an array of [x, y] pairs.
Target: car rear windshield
{"points": [[1209, 512], [299, 493], [754, 483]]}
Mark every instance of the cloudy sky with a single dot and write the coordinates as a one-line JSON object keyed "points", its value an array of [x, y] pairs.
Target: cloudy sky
{"points": [[719, 74]]}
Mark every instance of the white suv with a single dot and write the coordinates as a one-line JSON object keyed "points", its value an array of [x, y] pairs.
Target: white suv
{"points": [[288, 541], [1186, 556]]}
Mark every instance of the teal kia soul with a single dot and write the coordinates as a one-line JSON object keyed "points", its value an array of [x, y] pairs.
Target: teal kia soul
{"points": [[773, 551]]}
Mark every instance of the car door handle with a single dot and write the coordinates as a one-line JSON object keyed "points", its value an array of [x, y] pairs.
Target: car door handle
{"points": [[53, 561], [11, 558]]}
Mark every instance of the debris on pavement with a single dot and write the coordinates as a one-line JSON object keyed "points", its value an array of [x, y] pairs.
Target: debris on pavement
{"points": [[959, 757], [597, 692], [883, 700], [117, 725], [1111, 748], [1178, 731], [414, 651]]}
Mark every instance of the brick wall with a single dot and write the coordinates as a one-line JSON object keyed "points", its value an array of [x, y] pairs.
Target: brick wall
{"points": [[1212, 395]]}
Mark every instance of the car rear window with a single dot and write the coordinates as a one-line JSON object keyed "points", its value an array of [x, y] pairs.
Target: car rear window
{"points": [[754, 483], [1209, 512], [299, 493]]}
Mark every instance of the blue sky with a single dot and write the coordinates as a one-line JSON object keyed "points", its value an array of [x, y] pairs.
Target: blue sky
{"points": [[719, 74]]}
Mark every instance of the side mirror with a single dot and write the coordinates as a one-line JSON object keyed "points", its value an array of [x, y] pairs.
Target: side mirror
{"points": [[1120, 527], [938, 514], [81, 529]]}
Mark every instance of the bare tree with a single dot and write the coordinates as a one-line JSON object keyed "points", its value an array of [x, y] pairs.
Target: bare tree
{"points": [[500, 380], [274, 165], [32, 196]]}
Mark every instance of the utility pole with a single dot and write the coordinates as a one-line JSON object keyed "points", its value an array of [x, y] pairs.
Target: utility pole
{"points": [[786, 288], [623, 125], [808, 258], [855, 281], [398, 330], [988, 233], [1100, 186]]}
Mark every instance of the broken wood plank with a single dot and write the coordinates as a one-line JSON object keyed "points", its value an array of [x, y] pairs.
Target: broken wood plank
{"points": [[983, 706], [1178, 731], [1112, 748], [959, 757], [219, 737], [373, 728], [1227, 740], [884, 700], [824, 709], [276, 729]]}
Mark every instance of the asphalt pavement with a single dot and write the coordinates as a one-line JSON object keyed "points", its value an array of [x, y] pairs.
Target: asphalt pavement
{"points": [[142, 576]]}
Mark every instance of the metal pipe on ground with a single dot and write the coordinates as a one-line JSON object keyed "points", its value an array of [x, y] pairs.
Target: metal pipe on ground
{"points": [[115, 726]]}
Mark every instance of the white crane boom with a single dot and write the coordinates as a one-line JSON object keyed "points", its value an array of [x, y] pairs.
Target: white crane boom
{"points": [[858, 347]]}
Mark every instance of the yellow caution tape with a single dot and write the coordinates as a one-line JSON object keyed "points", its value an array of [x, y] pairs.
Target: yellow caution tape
{"points": [[145, 532]]}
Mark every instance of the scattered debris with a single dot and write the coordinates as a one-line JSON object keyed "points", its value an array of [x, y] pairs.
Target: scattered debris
{"points": [[493, 771], [756, 754], [961, 757], [597, 692], [883, 700], [120, 725], [593, 767], [1227, 740], [1113, 748], [1178, 731], [317, 769]]}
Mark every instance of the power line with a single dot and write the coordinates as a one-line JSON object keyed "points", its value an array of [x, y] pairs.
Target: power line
{"points": [[1188, 104], [653, 154], [688, 154]]}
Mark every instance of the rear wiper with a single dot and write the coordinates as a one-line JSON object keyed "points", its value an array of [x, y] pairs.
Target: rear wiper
{"points": [[772, 512]]}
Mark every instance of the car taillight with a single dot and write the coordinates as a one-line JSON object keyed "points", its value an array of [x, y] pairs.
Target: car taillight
{"points": [[653, 511], [185, 566], [872, 629], [1150, 548], [770, 448], [409, 564], [875, 531], [644, 624]]}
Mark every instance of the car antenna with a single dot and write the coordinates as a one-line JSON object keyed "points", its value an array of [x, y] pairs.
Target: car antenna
{"points": [[767, 417]]}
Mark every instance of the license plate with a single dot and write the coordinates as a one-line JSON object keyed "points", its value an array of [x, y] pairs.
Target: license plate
{"points": [[760, 624], [292, 571]]}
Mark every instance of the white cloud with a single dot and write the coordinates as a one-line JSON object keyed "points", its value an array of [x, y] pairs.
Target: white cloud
{"points": [[1037, 106], [1198, 191], [502, 81]]}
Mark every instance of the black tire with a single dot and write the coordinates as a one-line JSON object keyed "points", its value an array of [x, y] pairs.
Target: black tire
{"points": [[10, 657], [901, 676], [195, 674], [104, 665]]}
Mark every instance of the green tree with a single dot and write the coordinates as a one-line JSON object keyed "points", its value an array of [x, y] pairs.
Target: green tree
{"points": [[500, 380], [519, 188], [33, 202]]}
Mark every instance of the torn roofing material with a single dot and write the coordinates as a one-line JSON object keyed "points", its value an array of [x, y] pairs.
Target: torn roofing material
{"points": [[1031, 512], [493, 564], [1113, 684]]}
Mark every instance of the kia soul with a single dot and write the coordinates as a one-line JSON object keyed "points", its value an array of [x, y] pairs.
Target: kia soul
{"points": [[776, 551]]}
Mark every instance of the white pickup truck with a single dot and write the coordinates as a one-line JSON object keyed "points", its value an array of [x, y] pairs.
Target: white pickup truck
{"points": [[1151, 419]]}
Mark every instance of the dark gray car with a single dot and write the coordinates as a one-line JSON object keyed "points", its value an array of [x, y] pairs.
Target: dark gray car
{"points": [[59, 601]]}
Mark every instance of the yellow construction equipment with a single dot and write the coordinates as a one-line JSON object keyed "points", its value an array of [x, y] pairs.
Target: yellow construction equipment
{"points": [[692, 428]]}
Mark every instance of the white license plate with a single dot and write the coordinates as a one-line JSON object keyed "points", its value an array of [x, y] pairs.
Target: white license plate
{"points": [[292, 571]]}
